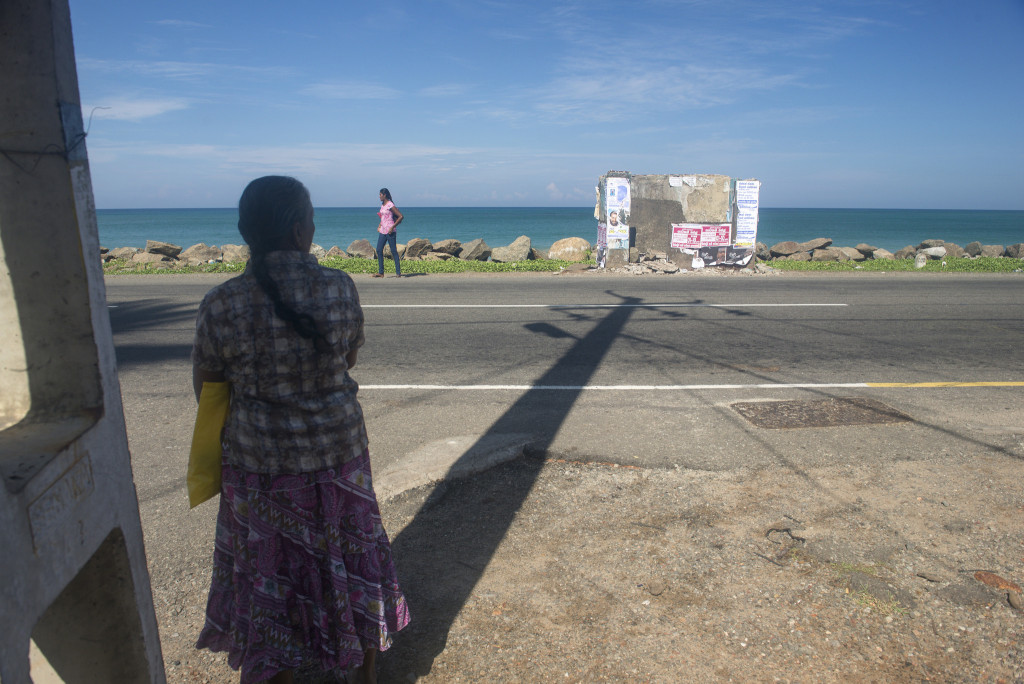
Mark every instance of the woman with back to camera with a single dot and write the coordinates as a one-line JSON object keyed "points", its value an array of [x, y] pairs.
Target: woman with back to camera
{"points": [[302, 566], [390, 217]]}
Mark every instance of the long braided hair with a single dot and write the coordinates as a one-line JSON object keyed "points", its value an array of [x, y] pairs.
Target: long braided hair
{"points": [[267, 211]]}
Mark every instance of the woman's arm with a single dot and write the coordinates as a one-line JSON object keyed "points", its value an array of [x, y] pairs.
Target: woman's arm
{"points": [[199, 376], [397, 214]]}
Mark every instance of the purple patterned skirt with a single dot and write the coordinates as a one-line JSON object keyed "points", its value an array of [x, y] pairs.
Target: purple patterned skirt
{"points": [[302, 572]]}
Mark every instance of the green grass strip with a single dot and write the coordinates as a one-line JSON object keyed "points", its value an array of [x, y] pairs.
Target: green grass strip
{"points": [[951, 265], [355, 265]]}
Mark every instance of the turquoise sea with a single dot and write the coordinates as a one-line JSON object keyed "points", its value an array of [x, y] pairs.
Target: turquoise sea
{"points": [[887, 228]]}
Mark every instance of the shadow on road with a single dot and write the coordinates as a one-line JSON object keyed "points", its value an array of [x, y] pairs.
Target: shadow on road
{"points": [[150, 315], [464, 551]]}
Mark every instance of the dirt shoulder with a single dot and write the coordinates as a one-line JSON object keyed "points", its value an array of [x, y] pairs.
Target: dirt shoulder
{"points": [[608, 573]]}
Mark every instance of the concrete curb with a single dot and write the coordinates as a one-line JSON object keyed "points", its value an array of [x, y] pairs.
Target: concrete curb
{"points": [[449, 459]]}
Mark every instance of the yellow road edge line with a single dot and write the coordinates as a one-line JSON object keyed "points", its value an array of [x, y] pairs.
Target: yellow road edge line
{"points": [[946, 384]]}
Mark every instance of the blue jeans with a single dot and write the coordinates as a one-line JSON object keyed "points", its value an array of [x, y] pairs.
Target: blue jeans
{"points": [[392, 240]]}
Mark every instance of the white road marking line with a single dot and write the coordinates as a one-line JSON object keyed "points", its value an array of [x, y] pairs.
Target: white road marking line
{"points": [[584, 306], [676, 388], [612, 388]]}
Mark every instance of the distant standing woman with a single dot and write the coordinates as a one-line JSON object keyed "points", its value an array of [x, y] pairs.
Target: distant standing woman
{"points": [[390, 217]]}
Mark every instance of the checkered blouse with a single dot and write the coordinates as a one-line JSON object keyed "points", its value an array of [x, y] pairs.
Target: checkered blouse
{"points": [[293, 410]]}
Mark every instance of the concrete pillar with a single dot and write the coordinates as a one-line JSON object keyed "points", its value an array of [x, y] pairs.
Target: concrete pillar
{"points": [[73, 564]]}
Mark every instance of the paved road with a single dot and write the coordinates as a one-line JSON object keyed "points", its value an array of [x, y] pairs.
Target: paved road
{"points": [[693, 345]]}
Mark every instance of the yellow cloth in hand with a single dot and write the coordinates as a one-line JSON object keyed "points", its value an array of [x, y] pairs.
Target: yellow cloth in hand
{"points": [[204, 457]]}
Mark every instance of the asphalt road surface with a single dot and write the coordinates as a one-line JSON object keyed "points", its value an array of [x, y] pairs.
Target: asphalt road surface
{"points": [[626, 369]]}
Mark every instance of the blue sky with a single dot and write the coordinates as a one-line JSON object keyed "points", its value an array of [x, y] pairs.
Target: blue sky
{"points": [[902, 104]]}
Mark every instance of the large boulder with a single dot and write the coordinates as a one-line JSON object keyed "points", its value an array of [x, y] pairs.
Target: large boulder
{"points": [[866, 249], [317, 251], [933, 252], [799, 256], [816, 243], [907, 252], [931, 243], [235, 253], [121, 253], [418, 247], [336, 251], [976, 249], [519, 250], [1015, 251], [475, 250], [163, 248], [882, 254], [781, 249], [954, 251], [149, 258], [197, 255], [570, 249], [829, 254], [853, 253], [399, 247], [452, 247], [762, 252], [361, 249]]}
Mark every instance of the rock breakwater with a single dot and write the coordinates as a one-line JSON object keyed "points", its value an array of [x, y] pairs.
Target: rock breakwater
{"points": [[163, 255], [821, 249]]}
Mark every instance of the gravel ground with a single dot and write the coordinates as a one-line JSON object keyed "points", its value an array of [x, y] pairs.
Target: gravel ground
{"points": [[622, 574], [545, 569]]}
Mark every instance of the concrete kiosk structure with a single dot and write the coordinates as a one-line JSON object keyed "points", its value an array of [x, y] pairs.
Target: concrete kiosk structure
{"points": [[653, 206], [74, 570]]}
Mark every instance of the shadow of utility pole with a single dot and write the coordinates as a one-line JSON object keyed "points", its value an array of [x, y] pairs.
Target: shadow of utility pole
{"points": [[440, 567]]}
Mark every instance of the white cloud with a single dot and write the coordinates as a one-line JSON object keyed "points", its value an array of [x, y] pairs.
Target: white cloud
{"points": [[350, 91], [444, 90], [180, 23], [593, 92], [130, 109], [177, 70]]}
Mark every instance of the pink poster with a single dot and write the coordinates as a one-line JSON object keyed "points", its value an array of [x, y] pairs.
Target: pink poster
{"points": [[685, 236], [696, 235], [716, 236]]}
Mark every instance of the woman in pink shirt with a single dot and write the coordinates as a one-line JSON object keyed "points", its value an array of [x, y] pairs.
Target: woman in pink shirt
{"points": [[390, 217]]}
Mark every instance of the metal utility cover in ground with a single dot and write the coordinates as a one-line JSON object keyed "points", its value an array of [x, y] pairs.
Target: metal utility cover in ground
{"points": [[835, 412]]}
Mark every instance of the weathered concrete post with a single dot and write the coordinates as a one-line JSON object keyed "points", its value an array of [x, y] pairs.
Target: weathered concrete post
{"points": [[73, 567]]}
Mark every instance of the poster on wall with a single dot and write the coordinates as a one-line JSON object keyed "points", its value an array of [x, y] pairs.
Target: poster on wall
{"points": [[697, 235], [616, 193], [747, 198], [602, 244], [618, 231], [711, 244], [617, 203], [725, 256]]}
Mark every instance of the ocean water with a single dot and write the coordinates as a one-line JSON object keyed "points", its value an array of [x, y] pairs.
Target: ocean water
{"points": [[887, 228]]}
